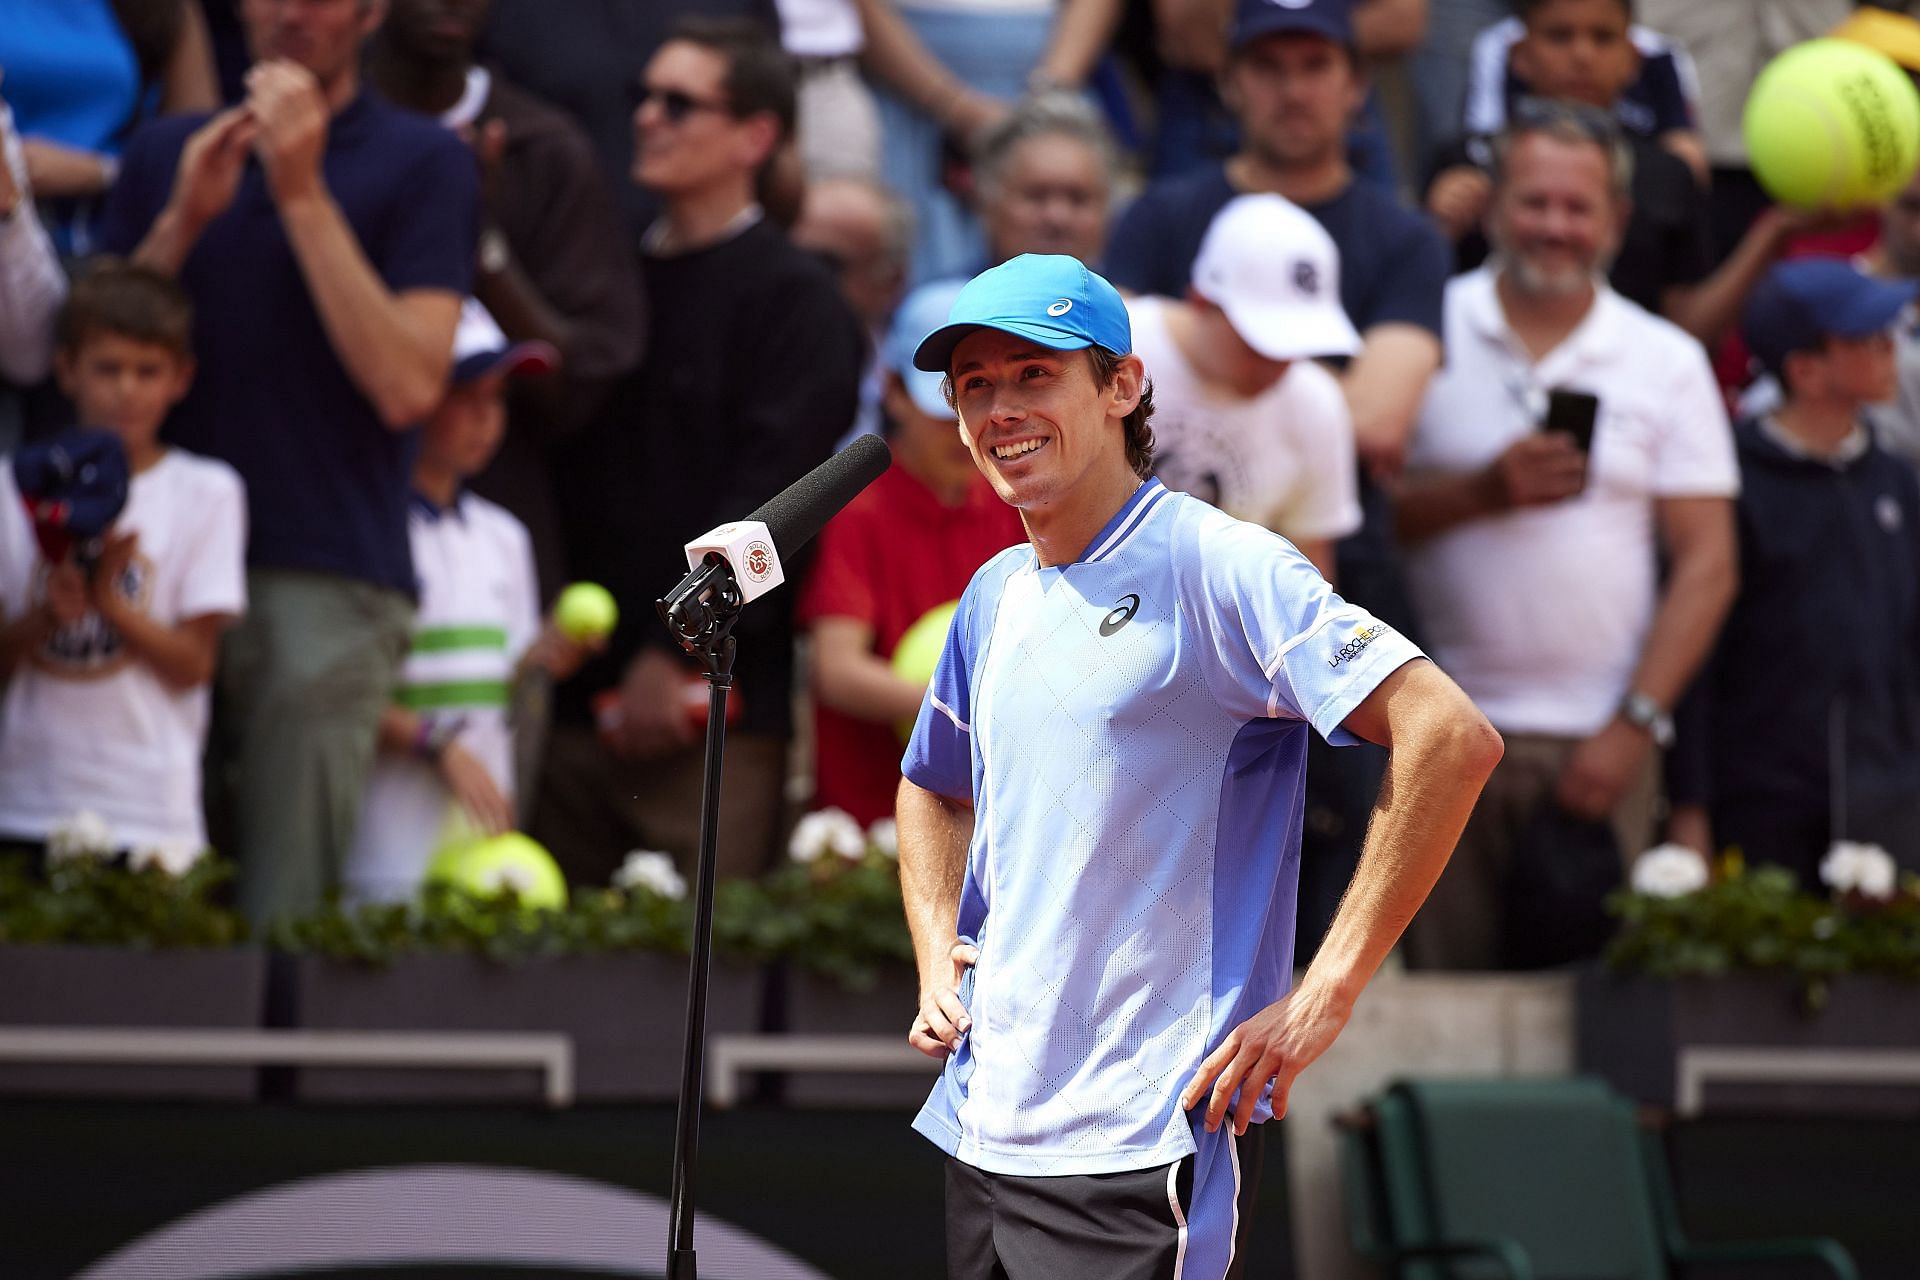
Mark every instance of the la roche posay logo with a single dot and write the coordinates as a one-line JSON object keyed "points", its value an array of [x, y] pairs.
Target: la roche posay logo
{"points": [[759, 561], [1060, 308]]}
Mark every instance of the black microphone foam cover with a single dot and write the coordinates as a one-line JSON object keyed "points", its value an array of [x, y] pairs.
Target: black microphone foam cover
{"points": [[802, 509]]}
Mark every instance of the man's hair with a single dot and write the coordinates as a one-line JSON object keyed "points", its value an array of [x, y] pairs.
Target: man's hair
{"points": [[1138, 424], [1045, 114], [129, 301], [760, 75], [1527, 8], [1570, 122]]}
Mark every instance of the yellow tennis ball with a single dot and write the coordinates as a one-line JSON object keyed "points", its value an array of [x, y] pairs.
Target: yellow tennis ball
{"points": [[586, 611], [510, 861], [918, 652], [1831, 123]]}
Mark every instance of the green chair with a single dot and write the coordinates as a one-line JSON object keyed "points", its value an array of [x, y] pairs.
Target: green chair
{"points": [[1528, 1180]]}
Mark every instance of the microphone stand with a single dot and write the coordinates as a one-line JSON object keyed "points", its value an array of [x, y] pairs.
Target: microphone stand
{"points": [[701, 612]]}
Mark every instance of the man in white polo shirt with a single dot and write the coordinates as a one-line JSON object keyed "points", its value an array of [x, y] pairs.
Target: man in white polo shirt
{"points": [[1243, 418], [1100, 817], [1537, 565]]}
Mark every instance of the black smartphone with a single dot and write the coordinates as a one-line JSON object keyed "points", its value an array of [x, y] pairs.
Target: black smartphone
{"points": [[1573, 412]]}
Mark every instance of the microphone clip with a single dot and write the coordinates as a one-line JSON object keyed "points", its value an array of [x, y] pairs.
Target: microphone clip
{"points": [[701, 613]]}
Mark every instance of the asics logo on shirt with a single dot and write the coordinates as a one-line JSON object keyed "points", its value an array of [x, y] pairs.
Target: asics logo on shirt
{"points": [[1121, 614]]}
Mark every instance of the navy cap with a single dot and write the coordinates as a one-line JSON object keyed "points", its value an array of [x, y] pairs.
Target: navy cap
{"points": [[74, 487], [1050, 298], [480, 348], [1799, 304], [1253, 19]]}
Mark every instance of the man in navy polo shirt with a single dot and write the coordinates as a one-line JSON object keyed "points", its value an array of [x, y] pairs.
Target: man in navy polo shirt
{"points": [[326, 239], [1101, 808]]}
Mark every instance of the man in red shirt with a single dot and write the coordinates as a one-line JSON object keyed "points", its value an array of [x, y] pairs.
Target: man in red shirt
{"points": [[907, 545]]}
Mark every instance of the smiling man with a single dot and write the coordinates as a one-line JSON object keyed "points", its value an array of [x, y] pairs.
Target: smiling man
{"points": [[1572, 589], [752, 373], [1100, 815]]}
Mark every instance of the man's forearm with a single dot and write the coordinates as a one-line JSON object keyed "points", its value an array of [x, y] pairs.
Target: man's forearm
{"points": [[397, 365], [1442, 751], [1699, 591], [1426, 506], [935, 832], [167, 242], [1082, 30]]}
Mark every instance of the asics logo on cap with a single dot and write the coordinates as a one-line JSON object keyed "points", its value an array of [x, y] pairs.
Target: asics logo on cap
{"points": [[1306, 277], [1061, 307]]}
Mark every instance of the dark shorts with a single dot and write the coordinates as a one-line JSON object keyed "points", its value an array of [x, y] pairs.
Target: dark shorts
{"points": [[1184, 1221]]}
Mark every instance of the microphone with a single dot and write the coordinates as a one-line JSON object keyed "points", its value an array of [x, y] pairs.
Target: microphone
{"points": [[739, 562]]}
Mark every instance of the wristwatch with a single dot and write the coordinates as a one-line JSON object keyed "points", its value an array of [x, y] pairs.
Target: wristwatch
{"points": [[494, 251], [1642, 712]]}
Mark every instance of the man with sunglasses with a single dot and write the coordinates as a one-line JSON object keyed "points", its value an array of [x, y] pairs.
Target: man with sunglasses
{"points": [[752, 372], [1536, 556]]}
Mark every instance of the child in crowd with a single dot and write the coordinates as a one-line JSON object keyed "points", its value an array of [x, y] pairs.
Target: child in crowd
{"points": [[108, 657], [445, 770], [905, 546], [1806, 724]]}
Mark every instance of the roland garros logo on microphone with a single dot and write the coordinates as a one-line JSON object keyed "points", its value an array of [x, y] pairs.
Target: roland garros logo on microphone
{"points": [[758, 560]]}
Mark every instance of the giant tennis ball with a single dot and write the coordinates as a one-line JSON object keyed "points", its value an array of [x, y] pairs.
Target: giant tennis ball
{"points": [[510, 861], [918, 652], [586, 611], [1831, 123]]}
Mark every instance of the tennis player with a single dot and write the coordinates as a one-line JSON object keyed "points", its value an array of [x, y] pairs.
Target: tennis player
{"points": [[1100, 817]]}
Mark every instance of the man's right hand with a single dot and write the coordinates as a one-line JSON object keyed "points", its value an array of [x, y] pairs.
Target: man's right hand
{"points": [[210, 167], [1458, 199], [653, 718], [942, 1019], [1537, 469]]}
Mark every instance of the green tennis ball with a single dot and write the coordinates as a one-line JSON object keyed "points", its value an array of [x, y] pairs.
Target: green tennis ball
{"points": [[586, 611], [918, 652], [1831, 123], [510, 861]]}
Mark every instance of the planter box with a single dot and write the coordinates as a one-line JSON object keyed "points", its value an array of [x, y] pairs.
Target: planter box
{"points": [[1631, 1031], [818, 1006], [58, 986], [626, 1013]]}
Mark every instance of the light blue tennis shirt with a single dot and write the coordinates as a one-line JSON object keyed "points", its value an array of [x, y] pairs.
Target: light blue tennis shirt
{"points": [[1132, 731]]}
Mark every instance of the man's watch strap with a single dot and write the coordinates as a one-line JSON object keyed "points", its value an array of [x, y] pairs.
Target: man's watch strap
{"points": [[1642, 711]]}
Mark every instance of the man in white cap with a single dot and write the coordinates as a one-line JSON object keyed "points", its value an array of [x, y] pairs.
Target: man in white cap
{"points": [[1244, 419]]}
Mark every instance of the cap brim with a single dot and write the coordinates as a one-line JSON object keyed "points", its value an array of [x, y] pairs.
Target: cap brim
{"points": [[1875, 307], [520, 358], [1282, 332], [935, 352]]}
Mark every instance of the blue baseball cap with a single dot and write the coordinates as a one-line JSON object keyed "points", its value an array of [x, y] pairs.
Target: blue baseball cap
{"points": [[1050, 298], [925, 308], [1799, 304], [1253, 19]]}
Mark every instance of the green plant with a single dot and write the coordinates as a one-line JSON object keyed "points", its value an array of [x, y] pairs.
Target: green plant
{"points": [[1761, 921], [98, 901], [499, 927], [837, 918]]}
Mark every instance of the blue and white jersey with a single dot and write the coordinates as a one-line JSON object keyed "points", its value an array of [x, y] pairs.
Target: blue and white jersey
{"points": [[1132, 730]]}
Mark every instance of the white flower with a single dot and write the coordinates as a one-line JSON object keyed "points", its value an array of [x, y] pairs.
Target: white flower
{"points": [[84, 835], [1669, 871], [175, 857], [1865, 869], [884, 835], [653, 872], [827, 831]]}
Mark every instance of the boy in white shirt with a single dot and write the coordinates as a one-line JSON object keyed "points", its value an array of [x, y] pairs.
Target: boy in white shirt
{"points": [[445, 768], [107, 661]]}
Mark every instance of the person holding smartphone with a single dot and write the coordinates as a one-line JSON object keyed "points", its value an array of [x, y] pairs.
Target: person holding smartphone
{"points": [[1572, 445]]}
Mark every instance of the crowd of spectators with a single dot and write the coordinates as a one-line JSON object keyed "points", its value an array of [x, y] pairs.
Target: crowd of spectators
{"points": [[397, 316]]}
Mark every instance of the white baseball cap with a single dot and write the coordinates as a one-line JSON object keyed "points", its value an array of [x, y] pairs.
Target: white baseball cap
{"points": [[1275, 271]]}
